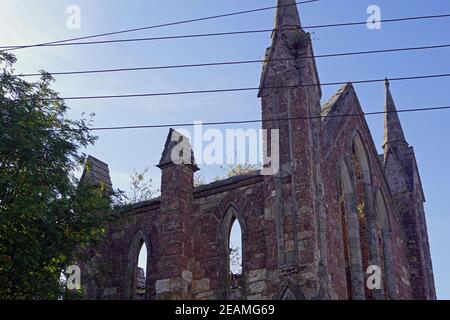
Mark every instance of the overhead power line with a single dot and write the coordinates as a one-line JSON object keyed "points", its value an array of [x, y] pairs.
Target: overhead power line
{"points": [[175, 125], [225, 63], [242, 89], [168, 24], [202, 35], [187, 36]]}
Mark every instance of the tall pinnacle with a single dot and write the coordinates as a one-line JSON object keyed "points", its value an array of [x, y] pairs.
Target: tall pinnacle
{"points": [[287, 14], [393, 132]]}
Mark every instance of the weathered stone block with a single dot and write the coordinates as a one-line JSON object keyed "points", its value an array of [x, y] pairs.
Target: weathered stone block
{"points": [[199, 286]]}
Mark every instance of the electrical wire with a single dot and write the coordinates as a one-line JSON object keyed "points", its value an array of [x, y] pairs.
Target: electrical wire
{"points": [[158, 26], [243, 89], [226, 63], [175, 125], [335, 25]]}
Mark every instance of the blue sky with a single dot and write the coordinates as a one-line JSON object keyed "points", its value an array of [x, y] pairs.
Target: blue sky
{"points": [[29, 21]]}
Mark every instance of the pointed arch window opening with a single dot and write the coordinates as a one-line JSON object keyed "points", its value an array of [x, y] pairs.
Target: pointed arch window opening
{"points": [[347, 209], [382, 253], [345, 236], [361, 209], [382, 223], [141, 271], [235, 254]]}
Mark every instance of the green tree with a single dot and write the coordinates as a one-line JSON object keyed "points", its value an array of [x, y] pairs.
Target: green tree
{"points": [[46, 216], [141, 188]]}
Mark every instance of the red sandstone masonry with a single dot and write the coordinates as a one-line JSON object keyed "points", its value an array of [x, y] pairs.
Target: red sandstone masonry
{"points": [[293, 223]]}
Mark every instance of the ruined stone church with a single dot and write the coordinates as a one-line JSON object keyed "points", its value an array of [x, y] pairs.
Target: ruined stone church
{"points": [[334, 214]]}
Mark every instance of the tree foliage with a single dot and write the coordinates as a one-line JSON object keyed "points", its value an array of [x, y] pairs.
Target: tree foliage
{"points": [[199, 180], [46, 216], [240, 169], [141, 188]]}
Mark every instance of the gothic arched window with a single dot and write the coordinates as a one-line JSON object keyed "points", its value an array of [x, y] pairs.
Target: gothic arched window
{"points": [[235, 261], [232, 236], [137, 268], [141, 271], [362, 181], [350, 235], [384, 240]]}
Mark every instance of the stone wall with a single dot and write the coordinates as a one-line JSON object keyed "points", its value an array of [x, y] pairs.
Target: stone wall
{"points": [[310, 230], [214, 207], [339, 137]]}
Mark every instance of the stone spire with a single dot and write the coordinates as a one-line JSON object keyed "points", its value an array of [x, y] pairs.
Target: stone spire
{"points": [[97, 173], [393, 132], [177, 151], [287, 14]]}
